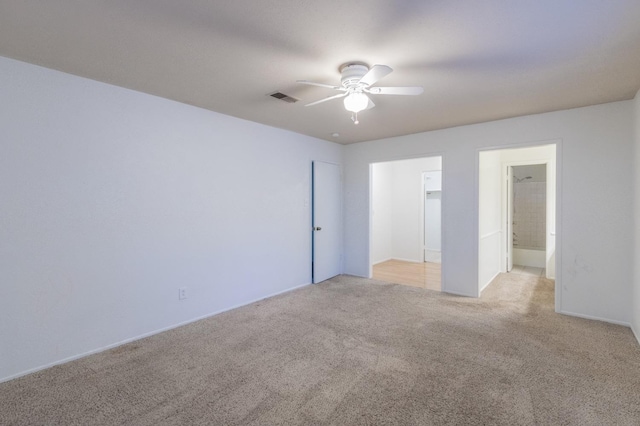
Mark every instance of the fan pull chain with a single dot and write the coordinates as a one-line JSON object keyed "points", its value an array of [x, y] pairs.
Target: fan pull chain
{"points": [[354, 118]]}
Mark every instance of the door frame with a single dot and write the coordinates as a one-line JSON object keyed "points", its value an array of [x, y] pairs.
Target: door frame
{"points": [[558, 202], [443, 219], [313, 219], [506, 262], [507, 221], [424, 213]]}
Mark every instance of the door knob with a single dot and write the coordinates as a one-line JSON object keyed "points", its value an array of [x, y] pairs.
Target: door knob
{"points": [[317, 228]]}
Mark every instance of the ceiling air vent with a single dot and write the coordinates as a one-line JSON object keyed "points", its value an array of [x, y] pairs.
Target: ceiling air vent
{"points": [[283, 97]]}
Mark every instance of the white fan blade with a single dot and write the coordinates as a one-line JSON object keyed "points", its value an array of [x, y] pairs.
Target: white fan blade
{"points": [[311, 83], [370, 104], [374, 74], [339, 95], [415, 90]]}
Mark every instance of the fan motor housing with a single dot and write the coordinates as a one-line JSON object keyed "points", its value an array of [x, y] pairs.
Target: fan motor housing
{"points": [[351, 74]]}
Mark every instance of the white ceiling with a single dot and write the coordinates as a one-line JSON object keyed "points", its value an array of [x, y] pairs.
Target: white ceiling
{"points": [[477, 60]]}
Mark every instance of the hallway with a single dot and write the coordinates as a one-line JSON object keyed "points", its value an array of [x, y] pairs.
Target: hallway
{"points": [[416, 274]]}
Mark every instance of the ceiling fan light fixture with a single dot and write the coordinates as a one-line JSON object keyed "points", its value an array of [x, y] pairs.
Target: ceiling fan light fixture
{"points": [[356, 102], [356, 80]]}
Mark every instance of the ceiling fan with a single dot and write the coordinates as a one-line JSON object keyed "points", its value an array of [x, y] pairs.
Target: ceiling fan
{"points": [[356, 82]]}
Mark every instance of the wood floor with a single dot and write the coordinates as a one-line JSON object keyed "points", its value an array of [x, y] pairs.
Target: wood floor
{"points": [[423, 274]]}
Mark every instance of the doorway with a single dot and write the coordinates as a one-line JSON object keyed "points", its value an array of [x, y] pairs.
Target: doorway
{"points": [[326, 223], [526, 218], [517, 213], [406, 222]]}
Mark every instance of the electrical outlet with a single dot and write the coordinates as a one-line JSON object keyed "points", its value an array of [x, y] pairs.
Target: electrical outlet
{"points": [[182, 293]]}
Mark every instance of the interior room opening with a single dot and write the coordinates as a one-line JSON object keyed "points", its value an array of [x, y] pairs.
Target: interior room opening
{"points": [[517, 213], [405, 220]]}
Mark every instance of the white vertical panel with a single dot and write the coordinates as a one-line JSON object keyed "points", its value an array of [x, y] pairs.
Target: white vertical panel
{"points": [[327, 213], [432, 220]]}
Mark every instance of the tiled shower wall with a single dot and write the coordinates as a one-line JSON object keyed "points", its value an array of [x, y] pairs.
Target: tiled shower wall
{"points": [[529, 217]]}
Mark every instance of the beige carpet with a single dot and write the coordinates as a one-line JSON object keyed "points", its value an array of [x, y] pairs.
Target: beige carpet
{"points": [[352, 351]]}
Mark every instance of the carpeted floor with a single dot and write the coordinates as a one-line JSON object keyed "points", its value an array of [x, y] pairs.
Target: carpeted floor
{"points": [[353, 351]]}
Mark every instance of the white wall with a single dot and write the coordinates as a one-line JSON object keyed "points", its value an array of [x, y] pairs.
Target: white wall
{"points": [[432, 217], [635, 304], [595, 260], [408, 207], [401, 190], [111, 200], [490, 217], [381, 212]]}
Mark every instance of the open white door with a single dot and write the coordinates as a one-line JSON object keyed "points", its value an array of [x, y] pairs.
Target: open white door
{"points": [[509, 218], [326, 221], [432, 224]]}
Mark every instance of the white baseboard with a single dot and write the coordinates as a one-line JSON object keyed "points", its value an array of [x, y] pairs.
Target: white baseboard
{"points": [[594, 318], [142, 336], [398, 258], [382, 261], [489, 282], [456, 293], [407, 260], [636, 334]]}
